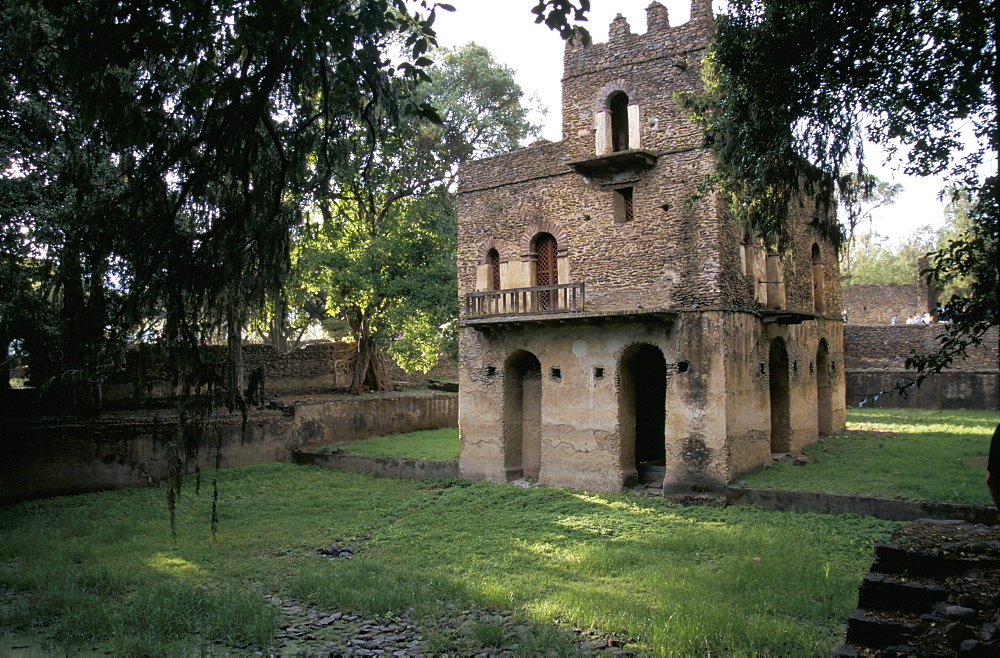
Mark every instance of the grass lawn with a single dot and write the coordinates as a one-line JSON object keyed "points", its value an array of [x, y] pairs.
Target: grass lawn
{"points": [[99, 571], [915, 454], [432, 445]]}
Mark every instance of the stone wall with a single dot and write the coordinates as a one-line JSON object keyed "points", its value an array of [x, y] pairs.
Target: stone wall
{"points": [[40, 459], [875, 357], [878, 303], [966, 389], [882, 347], [680, 250], [311, 368]]}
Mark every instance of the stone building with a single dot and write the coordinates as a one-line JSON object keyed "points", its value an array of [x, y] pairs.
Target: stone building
{"points": [[615, 325]]}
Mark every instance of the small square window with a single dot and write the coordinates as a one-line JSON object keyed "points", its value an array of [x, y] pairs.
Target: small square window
{"points": [[623, 205], [555, 374], [598, 373]]}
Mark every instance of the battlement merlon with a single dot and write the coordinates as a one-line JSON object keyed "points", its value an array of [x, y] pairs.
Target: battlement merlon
{"points": [[659, 38]]}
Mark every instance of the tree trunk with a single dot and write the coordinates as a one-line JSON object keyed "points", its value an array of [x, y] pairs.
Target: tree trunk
{"points": [[277, 336], [369, 371], [234, 378]]}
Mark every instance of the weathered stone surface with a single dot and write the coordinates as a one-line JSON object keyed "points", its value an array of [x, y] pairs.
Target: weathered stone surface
{"points": [[681, 309]]}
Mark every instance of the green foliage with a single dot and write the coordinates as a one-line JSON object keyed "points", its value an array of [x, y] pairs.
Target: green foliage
{"points": [[912, 454], [383, 255], [155, 158], [666, 577], [874, 258], [802, 84], [432, 445]]}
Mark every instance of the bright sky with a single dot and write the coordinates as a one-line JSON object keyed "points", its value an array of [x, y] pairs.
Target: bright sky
{"points": [[535, 54]]}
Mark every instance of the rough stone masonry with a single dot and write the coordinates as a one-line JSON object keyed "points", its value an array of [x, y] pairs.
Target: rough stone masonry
{"points": [[615, 325]]}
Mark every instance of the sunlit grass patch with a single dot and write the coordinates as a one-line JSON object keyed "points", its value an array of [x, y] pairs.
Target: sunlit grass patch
{"points": [[666, 578], [915, 454], [432, 445]]}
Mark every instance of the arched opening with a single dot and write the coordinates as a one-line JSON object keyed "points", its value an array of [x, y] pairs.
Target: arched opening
{"points": [[493, 261], [642, 412], [779, 393], [824, 398], [818, 276], [618, 105], [522, 416], [546, 268]]}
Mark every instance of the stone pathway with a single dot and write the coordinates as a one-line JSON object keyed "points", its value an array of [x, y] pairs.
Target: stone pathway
{"points": [[311, 631]]}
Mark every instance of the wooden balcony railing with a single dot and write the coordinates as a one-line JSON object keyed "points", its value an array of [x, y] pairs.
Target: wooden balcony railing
{"points": [[561, 298]]}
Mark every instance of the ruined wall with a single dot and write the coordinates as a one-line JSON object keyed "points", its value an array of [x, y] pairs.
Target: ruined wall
{"points": [[877, 303], [125, 450], [311, 368], [876, 357], [869, 347], [948, 390]]}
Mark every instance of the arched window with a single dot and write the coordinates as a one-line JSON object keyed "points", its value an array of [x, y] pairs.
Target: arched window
{"points": [[818, 276], [618, 105], [493, 261]]}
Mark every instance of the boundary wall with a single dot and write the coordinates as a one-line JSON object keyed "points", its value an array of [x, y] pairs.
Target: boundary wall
{"points": [[875, 358], [48, 457]]}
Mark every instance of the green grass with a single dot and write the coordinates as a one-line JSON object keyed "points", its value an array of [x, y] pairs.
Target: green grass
{"points": [[432, 445], [99, 570], [912, 454]]}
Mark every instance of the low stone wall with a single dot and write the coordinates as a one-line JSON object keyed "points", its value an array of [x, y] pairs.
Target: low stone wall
{"points": [[881, 508], [40, 459], [312, 368], [404, 468], [947, 390]]}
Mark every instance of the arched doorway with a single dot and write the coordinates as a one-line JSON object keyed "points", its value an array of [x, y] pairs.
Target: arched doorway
{"points": [[546, 268], [618, 105], [824, 398], [522, 416], [779, 393], [642, 411], [493, 260]]}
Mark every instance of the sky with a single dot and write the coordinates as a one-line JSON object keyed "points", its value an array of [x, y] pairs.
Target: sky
{"points": [[535, 54]]}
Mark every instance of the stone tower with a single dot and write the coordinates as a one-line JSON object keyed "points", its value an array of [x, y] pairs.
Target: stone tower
{"points": [[616, 325]]}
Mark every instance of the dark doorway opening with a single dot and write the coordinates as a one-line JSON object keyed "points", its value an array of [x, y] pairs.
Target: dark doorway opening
{"points": [[642, 412], [824, 398], [779, 393], [522, 424]]}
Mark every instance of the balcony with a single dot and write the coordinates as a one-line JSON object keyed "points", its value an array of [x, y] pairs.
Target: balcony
{"points": [[562, 298]]}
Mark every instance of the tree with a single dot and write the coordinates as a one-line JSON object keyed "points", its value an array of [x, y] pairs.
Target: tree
{"points": [[874, 259], [383, 256], [154, 161]]}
